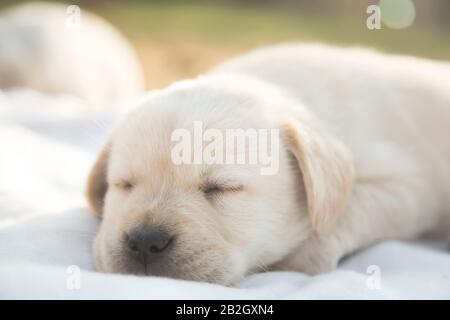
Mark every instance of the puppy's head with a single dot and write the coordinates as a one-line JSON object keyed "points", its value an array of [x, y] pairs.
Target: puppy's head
{"points": [[211, 221]]}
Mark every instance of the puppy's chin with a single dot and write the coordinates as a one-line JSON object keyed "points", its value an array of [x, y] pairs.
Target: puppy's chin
{"points": [[98, 262]]}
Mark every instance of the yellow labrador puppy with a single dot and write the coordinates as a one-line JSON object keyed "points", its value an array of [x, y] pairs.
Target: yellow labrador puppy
{"points": [[363, 155], [59, 48]]}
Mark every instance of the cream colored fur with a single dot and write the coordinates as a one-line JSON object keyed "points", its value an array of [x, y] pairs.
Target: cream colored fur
{"points": [[365, 157]]}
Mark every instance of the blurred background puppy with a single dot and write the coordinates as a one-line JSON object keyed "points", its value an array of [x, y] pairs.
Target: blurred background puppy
{"points": [[54, 48], [177, 39]]}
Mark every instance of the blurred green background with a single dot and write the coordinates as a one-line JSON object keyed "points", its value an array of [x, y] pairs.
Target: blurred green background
{"points": [[178, 39]]}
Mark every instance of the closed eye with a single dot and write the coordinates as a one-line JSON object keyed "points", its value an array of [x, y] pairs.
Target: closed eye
{"points": [[125, 185], [215, 188]]}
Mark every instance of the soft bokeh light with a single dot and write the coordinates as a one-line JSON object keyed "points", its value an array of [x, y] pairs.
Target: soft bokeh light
{"points": [[397, 14]]}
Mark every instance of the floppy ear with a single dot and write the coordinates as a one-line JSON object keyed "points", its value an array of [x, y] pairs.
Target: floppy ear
{"points": [[96, 185], [327, 170]]}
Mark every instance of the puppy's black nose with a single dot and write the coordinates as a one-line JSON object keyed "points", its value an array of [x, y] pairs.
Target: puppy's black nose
{"points": [[149, 244]]}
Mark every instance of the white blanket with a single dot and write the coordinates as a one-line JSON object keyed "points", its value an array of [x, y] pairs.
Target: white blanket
{"points": [[47, 146]]}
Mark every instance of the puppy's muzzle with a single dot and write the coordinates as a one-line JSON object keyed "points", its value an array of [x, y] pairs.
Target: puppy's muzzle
{"points": [[148, 246]]}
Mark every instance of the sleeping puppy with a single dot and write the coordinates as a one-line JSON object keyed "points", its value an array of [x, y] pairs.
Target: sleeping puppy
{"points": [[363, 156]]}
